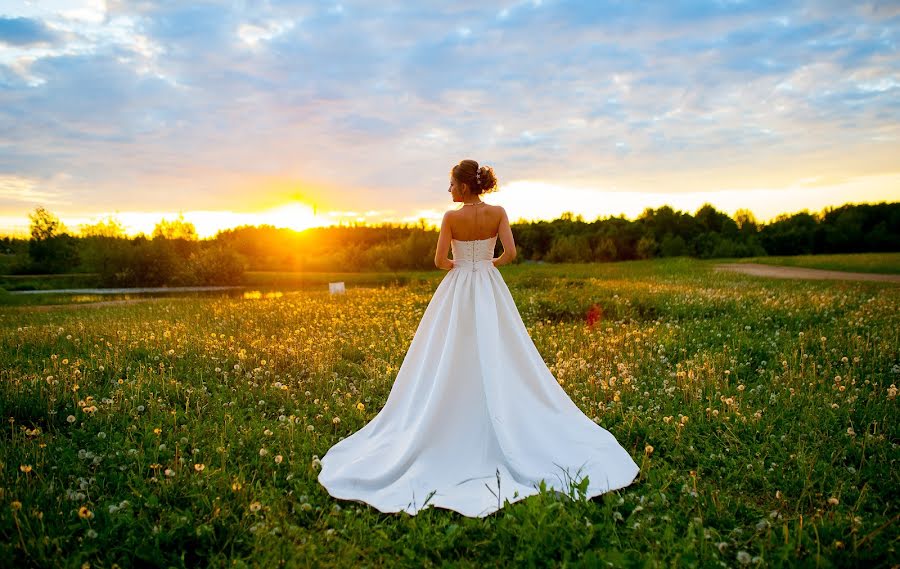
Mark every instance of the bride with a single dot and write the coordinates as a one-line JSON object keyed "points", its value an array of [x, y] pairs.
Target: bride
{"points": [[474, 418]]}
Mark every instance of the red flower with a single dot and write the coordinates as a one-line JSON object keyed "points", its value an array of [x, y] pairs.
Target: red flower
{"points": [[594, 314]]}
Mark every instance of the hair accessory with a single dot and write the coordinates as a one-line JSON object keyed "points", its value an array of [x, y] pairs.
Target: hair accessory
{"points": [[478, 177]]}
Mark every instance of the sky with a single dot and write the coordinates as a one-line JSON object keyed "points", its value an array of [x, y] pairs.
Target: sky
{"points": [[315, 113]]}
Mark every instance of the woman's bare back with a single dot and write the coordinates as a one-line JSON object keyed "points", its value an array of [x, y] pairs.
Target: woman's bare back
{"points": [[475, 222]]}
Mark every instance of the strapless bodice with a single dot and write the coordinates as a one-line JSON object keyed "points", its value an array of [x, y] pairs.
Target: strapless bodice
{"points": [[473, 253]]}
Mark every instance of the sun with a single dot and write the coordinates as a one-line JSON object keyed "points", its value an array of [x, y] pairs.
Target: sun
{"points": [[296, 216]]}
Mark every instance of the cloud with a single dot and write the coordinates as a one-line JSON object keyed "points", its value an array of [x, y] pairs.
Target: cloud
{"points": [[14, 190], [171, 104]]}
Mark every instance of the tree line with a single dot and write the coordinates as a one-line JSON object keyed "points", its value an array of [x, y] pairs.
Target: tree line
{"points": [[173, 255]]}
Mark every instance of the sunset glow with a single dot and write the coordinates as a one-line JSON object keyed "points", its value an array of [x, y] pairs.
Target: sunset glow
{"points": [[307, 114]]}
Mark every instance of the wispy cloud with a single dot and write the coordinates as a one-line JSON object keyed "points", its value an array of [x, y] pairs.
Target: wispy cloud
{"points": [[16, 190]]}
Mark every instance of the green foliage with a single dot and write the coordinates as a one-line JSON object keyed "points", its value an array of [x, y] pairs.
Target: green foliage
{"points": [[49, 250], [175, 256]]}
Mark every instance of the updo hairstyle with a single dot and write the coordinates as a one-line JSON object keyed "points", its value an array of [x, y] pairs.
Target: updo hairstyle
{"points": [[480, 180]]}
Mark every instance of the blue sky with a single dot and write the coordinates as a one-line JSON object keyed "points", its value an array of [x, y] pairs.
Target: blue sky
{"points": [[362, 107]]}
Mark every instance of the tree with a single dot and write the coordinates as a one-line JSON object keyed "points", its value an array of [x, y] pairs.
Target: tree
{"points": [[175, 229], [109, 227], [51, 249], [44, 225], [646, 247], [746, 221]]}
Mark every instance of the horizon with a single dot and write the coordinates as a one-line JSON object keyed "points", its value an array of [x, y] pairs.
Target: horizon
{"points": [[311, 114], [428, 225]]}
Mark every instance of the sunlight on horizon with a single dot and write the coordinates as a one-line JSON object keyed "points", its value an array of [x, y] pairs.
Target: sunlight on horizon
{"points": [[523, 200]]}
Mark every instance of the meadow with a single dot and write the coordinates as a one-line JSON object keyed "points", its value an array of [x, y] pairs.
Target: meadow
{"points": [[184, 432]]}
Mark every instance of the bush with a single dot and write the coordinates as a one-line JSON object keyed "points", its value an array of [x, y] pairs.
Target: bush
{"points": [[216, 265]]}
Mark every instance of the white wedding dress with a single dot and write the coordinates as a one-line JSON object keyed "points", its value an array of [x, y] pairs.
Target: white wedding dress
{"points": [[473, 402]]}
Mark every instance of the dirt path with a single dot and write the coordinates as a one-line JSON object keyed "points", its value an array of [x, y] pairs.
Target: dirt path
{"points": [[780, 272]]}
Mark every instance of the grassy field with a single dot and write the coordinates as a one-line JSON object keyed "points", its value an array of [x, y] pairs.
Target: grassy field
{"points": [[187, 431], [886, 263]]}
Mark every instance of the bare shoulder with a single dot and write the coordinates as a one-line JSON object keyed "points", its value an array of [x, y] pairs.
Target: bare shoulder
{"points": [[498, 209]]}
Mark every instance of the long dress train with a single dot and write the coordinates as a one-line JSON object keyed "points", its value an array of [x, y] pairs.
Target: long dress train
{"points": [[474, 416]]}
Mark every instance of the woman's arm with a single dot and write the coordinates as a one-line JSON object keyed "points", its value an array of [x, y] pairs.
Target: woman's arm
{"points": [[506, 237], [443, 245]]}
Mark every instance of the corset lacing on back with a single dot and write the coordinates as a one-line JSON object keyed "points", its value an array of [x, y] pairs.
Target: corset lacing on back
{"points": [[473, 255]]}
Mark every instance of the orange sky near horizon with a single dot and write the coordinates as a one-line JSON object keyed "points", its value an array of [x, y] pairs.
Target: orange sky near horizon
{"points": [[523, 200]]}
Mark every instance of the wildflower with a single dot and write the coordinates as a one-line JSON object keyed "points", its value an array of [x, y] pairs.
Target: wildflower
{"points": [[84, 513], [851, 432], [360, 406], [199, 467], [70, 418], [236, 486], [278, 459], [267, 432], [336, 420], [648, 450], [740, 387], [667, 419], [157, 431], [263, 452], [892, 391], [169, 472], [255, 507], [833, 501], [15, 505], [26, 468], [743, 557]]}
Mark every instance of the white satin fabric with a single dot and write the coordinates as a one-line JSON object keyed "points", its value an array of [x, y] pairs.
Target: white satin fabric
{"points": [[473, 401]]}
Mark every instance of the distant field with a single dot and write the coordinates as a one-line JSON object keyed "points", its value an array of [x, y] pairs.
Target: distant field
{"points": [[886, 263], [186, 431]]}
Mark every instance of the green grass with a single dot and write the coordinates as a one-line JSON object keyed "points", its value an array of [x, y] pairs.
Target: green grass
{"points": [[770, 407], [886, 263]]}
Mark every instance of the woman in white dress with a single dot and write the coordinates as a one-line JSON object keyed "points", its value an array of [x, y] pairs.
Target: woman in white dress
{"points": [[474, 417]]}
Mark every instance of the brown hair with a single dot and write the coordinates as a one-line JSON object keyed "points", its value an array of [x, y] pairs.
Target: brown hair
{"points": [[468, 172]]}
